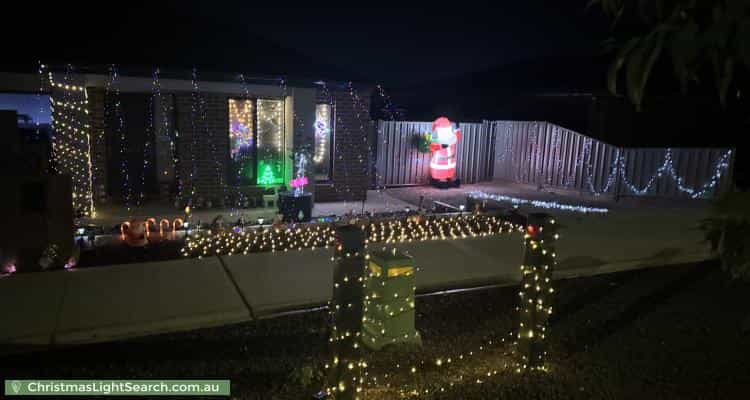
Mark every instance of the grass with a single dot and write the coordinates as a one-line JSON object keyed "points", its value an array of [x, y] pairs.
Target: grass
{"points": [[674, 333]]}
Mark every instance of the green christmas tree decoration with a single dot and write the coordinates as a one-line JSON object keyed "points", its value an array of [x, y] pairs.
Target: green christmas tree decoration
{"points": [[267, 177]]}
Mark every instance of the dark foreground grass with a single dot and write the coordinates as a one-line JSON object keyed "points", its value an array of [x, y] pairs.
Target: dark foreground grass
{"points": [[666, 333]]}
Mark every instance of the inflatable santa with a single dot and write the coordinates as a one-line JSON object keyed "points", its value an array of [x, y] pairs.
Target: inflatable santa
{"points": [[443, 149]]}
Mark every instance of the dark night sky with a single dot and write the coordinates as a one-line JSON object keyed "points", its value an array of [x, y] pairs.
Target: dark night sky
{"points": [[398, 46], [411, 45]]}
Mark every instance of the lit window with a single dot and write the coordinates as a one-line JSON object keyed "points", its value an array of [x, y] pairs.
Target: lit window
{"points": [[323, 141], [270, 142], [256, 137], [241, 142]]}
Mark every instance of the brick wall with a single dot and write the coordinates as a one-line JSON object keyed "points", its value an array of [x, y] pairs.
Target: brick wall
{"points": [[351, 156], [351, 175], [98, 143], [195, 142]]}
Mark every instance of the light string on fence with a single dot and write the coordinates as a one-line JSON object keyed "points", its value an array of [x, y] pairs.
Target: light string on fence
{"points": [[667, 168], [589, 170], [618, 168], [506, 143]]}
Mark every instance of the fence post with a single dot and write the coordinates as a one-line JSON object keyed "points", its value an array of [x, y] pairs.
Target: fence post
{"points": [[346, 363], [536, 291]]}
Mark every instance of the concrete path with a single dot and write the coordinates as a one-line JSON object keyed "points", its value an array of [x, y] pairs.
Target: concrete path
{"points": [[109, 303], [113, 215]]}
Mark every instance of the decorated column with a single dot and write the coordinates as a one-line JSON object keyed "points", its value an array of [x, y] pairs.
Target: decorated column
{"points": [[536, 291], [345, 369], [389, 301]]}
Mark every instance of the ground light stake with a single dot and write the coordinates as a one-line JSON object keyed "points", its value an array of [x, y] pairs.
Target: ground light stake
{"points": [[346, 366], [536, 291]]}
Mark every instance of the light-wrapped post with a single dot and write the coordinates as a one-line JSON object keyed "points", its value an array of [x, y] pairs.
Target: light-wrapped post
{"points": [[389, 301], [346, 365], [536, 291]]}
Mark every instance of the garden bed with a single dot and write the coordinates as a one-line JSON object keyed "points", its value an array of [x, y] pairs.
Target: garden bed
{"points": [[671, 332]]}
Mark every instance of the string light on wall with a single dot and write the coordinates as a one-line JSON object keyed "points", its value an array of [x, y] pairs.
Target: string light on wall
{"points": [[200, 127], [149, 137], [390, 111], [167, 133], [365, 160], [193, 149], [537, 203], [113, 114], [71, 143]]}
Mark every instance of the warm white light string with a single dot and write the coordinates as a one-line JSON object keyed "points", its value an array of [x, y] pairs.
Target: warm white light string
{"points": [[71, 141], [537, 203]]}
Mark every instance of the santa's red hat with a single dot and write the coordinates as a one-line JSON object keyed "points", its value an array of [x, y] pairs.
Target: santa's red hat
{"points": [[441, 122]]}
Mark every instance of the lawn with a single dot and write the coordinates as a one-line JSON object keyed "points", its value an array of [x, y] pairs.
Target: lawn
{"points": [[677, 332]]}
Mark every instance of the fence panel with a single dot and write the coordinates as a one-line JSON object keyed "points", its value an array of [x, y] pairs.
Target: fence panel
{"points": [[547, 155], [676, 172], [399, 163]]}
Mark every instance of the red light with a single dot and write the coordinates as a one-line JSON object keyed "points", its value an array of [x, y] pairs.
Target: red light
{"points": [[531, 229]]}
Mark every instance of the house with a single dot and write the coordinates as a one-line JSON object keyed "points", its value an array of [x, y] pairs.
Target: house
{"points": [[202, 140]]}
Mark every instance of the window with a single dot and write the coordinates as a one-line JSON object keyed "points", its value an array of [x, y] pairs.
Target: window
{"points": [[256, 141], [241, 141], [322, 160], [270, 142]]}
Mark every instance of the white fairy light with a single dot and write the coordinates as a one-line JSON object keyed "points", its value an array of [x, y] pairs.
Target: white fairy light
{"points": [[538, 203], [667, 168]]}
